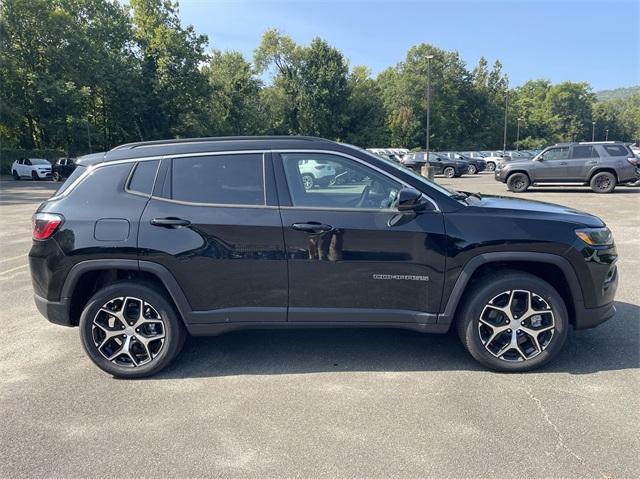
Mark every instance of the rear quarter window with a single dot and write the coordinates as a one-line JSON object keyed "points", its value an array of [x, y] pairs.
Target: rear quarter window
{"points": [[75, 174], [143, 177], [616, 150]]}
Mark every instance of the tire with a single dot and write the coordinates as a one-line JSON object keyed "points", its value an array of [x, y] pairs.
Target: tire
{"points": [[34, 176], [15, 175], [512, 287], [603, 182], [137, 361], [307, 181], [491, 166], [472, 170], [449, 172], [56, 177], [518, 182]]}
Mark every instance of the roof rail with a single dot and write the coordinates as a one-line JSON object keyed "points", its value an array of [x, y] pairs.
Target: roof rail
{"points": [[178, 141]]}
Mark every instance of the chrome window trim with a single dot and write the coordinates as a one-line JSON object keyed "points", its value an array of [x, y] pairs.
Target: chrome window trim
{"points": [[92, 168], [130, 178]]}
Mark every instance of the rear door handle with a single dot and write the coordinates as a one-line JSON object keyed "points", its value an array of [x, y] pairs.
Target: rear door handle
{"points": [[170, 222], [312, 227]]}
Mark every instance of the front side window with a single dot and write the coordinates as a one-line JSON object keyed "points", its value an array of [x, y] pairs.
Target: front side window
{"points": [[556, 154], [328, 181], [219, 179]]}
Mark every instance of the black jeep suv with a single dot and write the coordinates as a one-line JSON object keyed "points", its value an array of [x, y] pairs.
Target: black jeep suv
{"points": [[151, 241]]}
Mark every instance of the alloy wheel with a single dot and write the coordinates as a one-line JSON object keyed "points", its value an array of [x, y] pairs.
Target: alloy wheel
{"points": [[516, 325], [603, 183], [128, 331], [307, 182]]}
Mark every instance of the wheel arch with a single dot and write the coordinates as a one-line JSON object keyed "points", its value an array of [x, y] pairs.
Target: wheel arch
{"points": [[604, 169], [554, 269], [511, 173], [87, 277]]}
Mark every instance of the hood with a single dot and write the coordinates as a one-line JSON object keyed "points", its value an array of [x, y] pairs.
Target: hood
{"points": [[517, 161], [537, 209]]}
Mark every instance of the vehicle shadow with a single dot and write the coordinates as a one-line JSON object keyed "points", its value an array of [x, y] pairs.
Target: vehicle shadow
{"points": [[619, 190], [612, 346]]}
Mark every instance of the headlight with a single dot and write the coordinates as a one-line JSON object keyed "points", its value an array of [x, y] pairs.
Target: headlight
{"points": [[595, 236]]}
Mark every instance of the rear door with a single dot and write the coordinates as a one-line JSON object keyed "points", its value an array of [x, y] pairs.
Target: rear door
{"points": [[213, 222], [552, 165], [347, 262], [581, 160]]}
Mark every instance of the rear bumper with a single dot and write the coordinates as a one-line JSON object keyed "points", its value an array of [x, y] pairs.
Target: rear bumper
{"points": [[55, 311], [591, 317]]}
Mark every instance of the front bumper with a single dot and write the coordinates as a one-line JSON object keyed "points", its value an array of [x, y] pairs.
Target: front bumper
{"points": [[55, 311], [587, 318], [500, 175]]}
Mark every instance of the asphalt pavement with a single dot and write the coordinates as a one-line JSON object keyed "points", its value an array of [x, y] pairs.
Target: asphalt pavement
{"points": [[320, 403]]}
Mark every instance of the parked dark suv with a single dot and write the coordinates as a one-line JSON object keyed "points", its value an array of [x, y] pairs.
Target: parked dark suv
{"points": [[441, 165], [151, 241], [602, 165]]}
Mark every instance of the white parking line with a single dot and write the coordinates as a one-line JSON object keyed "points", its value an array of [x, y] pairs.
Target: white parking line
{"points": [[4, 260], [14, 269]]}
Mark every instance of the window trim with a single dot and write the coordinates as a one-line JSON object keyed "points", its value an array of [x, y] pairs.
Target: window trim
{"points": [[127, 183]]}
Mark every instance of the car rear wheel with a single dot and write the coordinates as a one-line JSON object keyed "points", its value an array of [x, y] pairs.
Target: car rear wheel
{"points": [[472, 169], [57, 177], [15, 175], [513, 321], [604, 182], [449, 172], [307, 181], [491, 166], [130, 331], [518, 182]]}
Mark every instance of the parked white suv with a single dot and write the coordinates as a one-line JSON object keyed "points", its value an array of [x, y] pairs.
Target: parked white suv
{"points": [[34, 168], [316, 173]]}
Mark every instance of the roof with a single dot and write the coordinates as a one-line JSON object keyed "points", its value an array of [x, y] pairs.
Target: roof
{"points": [[197, 145]]}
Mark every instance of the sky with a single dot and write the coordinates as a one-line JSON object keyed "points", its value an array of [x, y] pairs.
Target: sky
{"points": [[593, 41]]}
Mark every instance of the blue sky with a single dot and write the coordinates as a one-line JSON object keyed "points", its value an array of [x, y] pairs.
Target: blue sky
{"points": [[593, 41]]}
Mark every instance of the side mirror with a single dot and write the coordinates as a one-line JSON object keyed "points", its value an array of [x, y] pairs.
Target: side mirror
{"points": [[410, 199]]}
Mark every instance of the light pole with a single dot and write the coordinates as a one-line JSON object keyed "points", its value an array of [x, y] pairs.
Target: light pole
{"points": [[89, 133], [518, 135], [506, 110], [593, 131], [606, 134], [429, 57]]}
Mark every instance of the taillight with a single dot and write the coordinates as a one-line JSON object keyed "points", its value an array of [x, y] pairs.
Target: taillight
{"points": [[45, 224], [633, 161]]}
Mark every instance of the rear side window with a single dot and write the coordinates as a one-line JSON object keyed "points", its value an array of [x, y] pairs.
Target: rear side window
{"points": [[143, 177], [219, 179], [616, 150], [75, 174], [584, 151]]}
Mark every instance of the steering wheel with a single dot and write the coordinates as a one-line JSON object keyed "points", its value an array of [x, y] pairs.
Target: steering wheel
{"points": [[363, 197]]}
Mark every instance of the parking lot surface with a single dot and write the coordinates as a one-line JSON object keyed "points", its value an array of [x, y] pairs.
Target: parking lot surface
{"points": [[320, 403]]}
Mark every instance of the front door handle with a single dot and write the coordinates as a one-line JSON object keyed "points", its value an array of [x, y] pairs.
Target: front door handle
{"points": [[312, 227], [170, 222]]}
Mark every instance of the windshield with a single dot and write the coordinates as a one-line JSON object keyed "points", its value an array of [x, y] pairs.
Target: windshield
{"points": [[39, 161], [446, 191]]}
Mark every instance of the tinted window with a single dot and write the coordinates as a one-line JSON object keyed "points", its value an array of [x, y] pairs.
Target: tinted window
{"points": [[616, 150], [144, 176], [219, 179], [583, 151], [328, 181], [38, 161], [556, 154]]}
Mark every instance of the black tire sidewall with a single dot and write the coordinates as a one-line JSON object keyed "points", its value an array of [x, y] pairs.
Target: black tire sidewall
{"points": [[483, 292], [174, 329], [601, 174], [34, 176], [512, 178], [15, 175]]}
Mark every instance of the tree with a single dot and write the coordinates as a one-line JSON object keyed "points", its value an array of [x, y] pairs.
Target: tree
{"points": [[366, 119], [234, 96], [569, 111]]}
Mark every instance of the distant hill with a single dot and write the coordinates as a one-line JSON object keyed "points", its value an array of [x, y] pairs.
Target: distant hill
{"points": [[617, 94]]}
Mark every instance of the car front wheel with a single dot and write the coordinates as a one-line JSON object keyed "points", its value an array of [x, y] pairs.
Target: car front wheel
{"points": [[15, 175], [449, 172], [129, 330], [34, 176], [472, 169], [518, 182], [491, 166], [513, 321], [307, 181]]}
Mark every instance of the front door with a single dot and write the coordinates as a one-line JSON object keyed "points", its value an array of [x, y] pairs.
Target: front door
{"points": [[213, 222], [347, 261], [552, 165]]}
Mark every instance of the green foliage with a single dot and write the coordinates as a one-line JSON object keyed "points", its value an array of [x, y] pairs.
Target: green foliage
{"points": [[90, 74]]}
